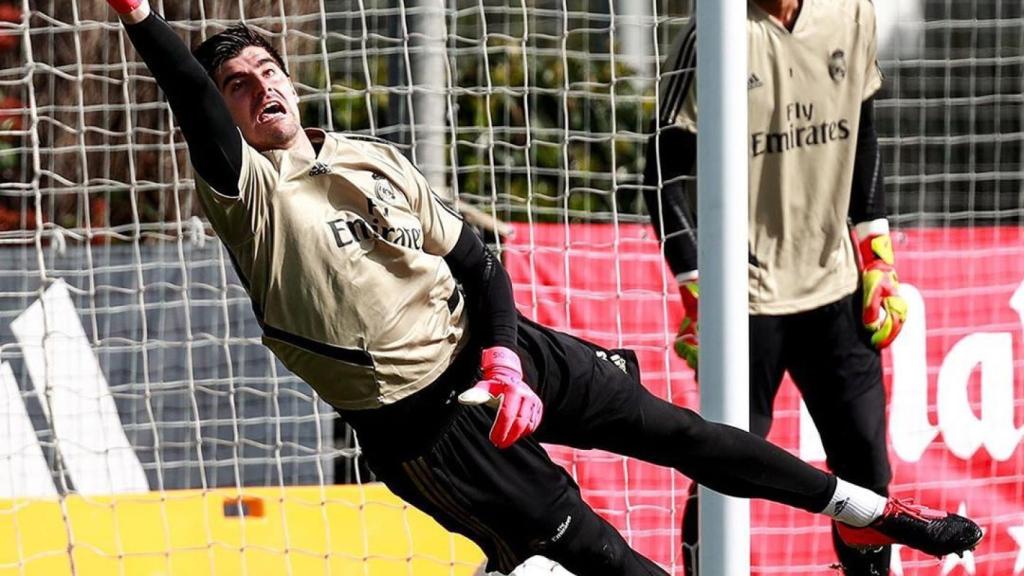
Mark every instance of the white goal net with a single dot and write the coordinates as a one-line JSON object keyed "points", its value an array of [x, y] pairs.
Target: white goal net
{"points": [[145, 429]]}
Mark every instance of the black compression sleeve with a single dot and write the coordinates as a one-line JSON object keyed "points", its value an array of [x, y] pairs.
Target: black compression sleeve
{"points": [[671, 209], [867, 192], [214, 144], [488, 289]]}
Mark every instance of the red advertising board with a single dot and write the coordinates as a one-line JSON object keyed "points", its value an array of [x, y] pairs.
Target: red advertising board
{"points": [[955, 379]]}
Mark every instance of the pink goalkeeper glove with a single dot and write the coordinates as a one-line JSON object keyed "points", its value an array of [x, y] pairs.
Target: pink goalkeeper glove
{"points": [[125, 6], [520, 409]]}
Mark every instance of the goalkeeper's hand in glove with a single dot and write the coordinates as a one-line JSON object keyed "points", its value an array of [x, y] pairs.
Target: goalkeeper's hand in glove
{"points": [[884, 310], [686, 344], [519, 407]]}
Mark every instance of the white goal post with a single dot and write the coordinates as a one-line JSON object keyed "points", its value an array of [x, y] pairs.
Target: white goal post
{"points": [[722, 200]]}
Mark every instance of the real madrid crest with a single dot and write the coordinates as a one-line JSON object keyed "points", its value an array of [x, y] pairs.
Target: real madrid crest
{"points": [[382, 188], [837, 66]]}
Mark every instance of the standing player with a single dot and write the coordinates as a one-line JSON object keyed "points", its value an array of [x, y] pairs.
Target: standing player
{"points": [[351, 264], [814, 164]]}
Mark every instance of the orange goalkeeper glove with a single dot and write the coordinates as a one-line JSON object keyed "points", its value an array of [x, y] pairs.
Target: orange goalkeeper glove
{"points": [[686, 344], [884, 310]]}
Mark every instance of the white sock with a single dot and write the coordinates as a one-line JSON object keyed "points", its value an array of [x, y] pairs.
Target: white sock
{"points": [[853, 505]]}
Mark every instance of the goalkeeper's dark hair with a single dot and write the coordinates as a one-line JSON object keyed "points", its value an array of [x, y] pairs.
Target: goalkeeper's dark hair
{"points": [[219, 48]]}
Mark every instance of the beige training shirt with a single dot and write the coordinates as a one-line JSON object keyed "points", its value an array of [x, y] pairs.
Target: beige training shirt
{"points": [[805, 89], [342, 257]]}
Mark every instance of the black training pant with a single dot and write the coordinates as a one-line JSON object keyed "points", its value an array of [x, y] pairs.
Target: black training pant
{"points": [[514, 503]]}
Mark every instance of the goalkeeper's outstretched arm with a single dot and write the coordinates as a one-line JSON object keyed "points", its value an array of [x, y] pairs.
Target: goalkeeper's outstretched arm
{"points": [[214, 142]]}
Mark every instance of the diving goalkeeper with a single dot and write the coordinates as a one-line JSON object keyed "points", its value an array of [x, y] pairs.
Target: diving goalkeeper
{"points": [[354, 270]]}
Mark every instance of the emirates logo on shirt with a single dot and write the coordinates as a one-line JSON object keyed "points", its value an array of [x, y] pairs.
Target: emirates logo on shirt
{"points": [[805, 128]]}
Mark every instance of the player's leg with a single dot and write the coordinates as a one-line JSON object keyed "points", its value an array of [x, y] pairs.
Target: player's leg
{"points": [[594, 399], [839, 375], [766, 370], [767, 341], [598, 405], [513, 503]]}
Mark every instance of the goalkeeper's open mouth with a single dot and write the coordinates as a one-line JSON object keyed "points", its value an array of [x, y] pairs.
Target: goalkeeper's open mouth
{"points": [[271, 111]]}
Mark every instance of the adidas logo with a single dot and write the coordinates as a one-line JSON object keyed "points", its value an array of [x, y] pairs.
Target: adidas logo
{"points": [[615, 359], [754, 82], [319, 169], [840, 506]]}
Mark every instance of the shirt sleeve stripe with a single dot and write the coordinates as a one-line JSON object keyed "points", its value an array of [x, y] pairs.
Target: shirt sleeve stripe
{"points": [[443, 204], [684, 67]]}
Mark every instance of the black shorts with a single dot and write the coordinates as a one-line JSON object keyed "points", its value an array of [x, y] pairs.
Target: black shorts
{"points": [[514, 503], [511, 502]]}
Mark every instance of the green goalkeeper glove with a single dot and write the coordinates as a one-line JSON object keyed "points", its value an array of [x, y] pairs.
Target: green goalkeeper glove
{"points": [[884, 309], [686, 345]]}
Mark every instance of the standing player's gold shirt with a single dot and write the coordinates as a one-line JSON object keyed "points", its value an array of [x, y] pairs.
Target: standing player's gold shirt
{"points": [[342, 256], [805, 88]]}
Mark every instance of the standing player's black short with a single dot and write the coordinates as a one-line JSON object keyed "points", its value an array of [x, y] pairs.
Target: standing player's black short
{"points": [[839, 375], [514, 503]]}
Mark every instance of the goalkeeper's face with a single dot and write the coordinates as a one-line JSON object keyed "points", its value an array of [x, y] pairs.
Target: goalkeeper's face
{"points": [[261, 98]]}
